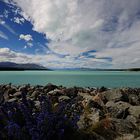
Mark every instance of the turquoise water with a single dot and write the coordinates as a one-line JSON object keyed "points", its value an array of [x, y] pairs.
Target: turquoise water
{"points": [[72, 78]]}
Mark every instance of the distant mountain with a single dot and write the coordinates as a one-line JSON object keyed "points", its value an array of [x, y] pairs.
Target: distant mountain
{"points": [[15, 66], [98, 69]]}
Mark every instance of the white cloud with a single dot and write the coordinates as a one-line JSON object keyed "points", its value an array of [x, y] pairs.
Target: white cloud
{"points": [[26, 37], [29, 45], [19, 20], [3, 23], [25, 47], [76, 26], [4, 36], [49, 60]]}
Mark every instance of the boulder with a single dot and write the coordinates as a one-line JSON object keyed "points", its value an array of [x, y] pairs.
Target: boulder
{"points": [[126, 137], [111, 128], [133, 99], [113, 94], [86, 99], [134, 111], [132, 119], [88, 118], [123, 126], [118, 109]]}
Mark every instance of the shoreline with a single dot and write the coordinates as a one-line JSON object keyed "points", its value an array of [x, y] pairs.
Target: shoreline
{"points": [[94, 113]]}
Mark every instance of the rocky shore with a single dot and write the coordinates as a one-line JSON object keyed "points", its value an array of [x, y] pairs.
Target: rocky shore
{"points": [[95, 113]]}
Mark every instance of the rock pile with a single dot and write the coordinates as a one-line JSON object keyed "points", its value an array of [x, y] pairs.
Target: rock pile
{"points": [[104, 114]]}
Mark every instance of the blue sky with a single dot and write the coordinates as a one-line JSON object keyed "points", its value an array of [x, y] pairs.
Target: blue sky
{"points": [[13, 40], [72, 33]]}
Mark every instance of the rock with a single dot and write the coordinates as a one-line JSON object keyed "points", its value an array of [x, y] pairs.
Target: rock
{"points": [[102, 89], [12, 100], [81, 122], [11, 91], [55, 105], [86, 98], [63, 98], [134, 111], [1, 97], [17, 94], [98, 99], [110, 104], [138, 138], [132, 119], [125, 137], [6, 96], [87, 119], [49, 87], [118, 110], [35, 94], [133, 99], [123, 126], [113, 94], [87, 135], [37, 104], [94, 104], [55, 92], [111, 128], [122, 105], [71, 92]]}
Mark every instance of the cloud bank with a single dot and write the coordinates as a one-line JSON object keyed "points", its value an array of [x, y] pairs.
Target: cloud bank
{"points": [[110, 27]]}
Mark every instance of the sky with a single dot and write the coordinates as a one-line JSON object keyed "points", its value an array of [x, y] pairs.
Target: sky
{"points": [[71, 33]]}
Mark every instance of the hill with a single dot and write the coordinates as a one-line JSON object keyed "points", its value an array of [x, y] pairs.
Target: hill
{"points": [[15, 66]]}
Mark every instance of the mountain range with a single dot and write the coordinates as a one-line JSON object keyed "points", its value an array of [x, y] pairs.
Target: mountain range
{"points": [[16, 66]]}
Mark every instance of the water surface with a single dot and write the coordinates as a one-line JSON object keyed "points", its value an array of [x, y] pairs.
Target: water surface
{"points": [[72, 78]]}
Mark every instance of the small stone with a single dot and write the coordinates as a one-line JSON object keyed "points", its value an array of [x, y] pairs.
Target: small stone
{"points": [[63, 98], [55, 92], [37, 104], [1, 97], [71, 92], [35, 94], [17, 94], [6, 96], [12, 100], [11, 91], [50, 87]]}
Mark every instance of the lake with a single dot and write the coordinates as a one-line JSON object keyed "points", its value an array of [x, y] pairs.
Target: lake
{"points": [[73, 78]]}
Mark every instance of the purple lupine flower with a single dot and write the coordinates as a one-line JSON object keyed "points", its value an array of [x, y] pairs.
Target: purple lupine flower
{"points": [[13, 130]]}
